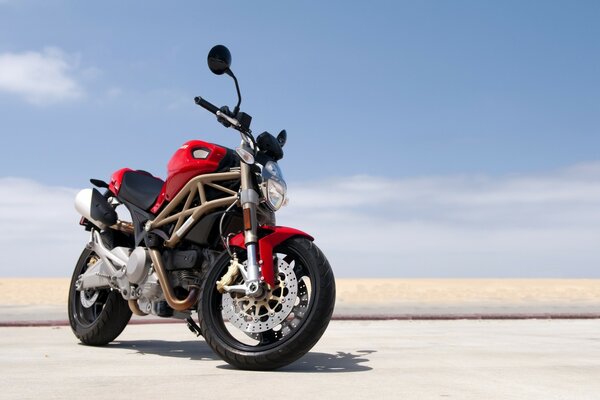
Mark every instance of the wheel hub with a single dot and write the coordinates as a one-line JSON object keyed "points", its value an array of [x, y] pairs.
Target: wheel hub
{"points": [[254, 315], [88, 297]]}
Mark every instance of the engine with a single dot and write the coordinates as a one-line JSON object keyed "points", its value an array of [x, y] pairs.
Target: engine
{"points": [[131, 272]]}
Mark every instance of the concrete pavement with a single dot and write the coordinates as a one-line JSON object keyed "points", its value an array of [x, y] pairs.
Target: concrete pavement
{"points": [[523, 359]]}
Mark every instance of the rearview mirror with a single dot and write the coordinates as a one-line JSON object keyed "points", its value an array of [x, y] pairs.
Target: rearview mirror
{"points": [[282, 138], [219, 59]]}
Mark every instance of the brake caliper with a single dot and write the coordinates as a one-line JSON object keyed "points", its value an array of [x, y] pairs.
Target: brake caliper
{"points": [[230, 276]]}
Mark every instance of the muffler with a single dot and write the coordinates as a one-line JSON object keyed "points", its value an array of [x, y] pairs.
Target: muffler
{"points": [[95, 208]]}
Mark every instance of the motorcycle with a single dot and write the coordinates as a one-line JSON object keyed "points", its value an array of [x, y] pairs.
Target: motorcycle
{"points": [[204, 240]]}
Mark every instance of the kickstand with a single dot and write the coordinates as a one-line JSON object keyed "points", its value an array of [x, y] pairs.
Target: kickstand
{"points": [[193, 326]]}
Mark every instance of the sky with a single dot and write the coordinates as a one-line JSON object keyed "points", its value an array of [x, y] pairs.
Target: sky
{"points": [[425, 139]]}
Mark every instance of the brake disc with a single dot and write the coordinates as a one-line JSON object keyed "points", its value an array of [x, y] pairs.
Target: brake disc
{"points": [[88, 297], [255, 315]]}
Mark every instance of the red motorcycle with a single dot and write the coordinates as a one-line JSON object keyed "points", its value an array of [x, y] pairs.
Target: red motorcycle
{"points": [[204, 240]]}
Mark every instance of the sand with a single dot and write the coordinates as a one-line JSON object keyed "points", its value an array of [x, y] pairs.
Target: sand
{"points": [[29, 299], [377, 291], [373, 292]]}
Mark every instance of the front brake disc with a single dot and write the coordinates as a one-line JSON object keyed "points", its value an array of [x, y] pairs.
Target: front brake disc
{"points": [[255, 315]]}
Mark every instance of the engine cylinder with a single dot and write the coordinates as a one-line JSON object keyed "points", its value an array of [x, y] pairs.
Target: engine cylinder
{"points": [[138, 265]]}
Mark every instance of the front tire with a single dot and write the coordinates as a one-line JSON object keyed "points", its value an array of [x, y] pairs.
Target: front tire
{"points": [[97, 317], [269, 333]]}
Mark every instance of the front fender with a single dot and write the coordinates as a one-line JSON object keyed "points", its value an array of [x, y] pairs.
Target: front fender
{"points": [[270, 237]]}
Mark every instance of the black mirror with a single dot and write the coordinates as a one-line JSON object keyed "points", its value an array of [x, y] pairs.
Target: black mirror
{"points": [[219, 59], [282, 138]]}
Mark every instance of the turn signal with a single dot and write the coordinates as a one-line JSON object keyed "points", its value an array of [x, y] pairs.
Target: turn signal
{"points": [[245, 155]]}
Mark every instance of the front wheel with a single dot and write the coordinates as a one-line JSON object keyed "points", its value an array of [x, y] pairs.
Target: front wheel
{"points": [[278, 327]]}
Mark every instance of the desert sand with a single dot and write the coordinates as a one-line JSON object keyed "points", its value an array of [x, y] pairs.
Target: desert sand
{"points": [[390, 294]]}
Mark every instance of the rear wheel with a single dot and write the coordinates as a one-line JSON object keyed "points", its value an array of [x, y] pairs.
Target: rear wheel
{"points": [[278, 327], [97, 317]]}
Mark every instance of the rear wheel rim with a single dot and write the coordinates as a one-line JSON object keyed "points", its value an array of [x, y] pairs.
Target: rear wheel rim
{"points": [[88, 304]]}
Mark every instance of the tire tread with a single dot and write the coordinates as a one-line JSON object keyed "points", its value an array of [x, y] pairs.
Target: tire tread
{"points": [[296, 347], [112, 320]]}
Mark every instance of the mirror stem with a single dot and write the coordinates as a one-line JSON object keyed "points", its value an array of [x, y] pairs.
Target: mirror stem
{"points": [[237, 87]]}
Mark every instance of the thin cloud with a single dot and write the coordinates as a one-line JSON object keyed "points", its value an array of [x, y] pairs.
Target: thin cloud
{"points": [[455, 226], [40, 77], [540, 226], [40, 235]]}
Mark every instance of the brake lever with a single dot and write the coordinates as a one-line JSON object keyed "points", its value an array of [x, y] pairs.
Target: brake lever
{"points": [[234, 122]]}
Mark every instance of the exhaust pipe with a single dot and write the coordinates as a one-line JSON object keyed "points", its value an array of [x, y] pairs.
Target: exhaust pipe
{"points": [[94, 207], [123, 226], [172, 301], [135, 308]]}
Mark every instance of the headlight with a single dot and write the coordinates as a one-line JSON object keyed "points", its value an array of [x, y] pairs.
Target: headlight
{"points": [[275, 194], [274, 187]]}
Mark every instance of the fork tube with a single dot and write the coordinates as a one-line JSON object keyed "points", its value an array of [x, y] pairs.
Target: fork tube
{"points": [[249, 200]]}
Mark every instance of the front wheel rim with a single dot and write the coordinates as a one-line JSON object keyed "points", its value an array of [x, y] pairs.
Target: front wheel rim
{"points": [[277, 334]]}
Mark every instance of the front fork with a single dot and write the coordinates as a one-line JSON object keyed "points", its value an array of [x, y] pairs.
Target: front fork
{"points": [[249, 200]]}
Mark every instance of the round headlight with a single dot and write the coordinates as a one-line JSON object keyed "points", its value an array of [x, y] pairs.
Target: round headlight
{"points": [[275, 193], [274, 187]]}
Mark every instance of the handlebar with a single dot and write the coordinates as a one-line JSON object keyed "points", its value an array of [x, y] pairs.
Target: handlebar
{"points": [[240, 124], [206, 105]]}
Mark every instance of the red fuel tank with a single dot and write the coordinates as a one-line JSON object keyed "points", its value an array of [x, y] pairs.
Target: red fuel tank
{"points": [[193, 158]]}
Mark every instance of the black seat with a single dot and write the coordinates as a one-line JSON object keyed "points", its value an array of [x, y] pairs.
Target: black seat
{"points": [[140, 189]]}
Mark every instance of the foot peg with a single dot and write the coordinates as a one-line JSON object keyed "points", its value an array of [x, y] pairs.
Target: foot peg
{"points": [[193, 326]]}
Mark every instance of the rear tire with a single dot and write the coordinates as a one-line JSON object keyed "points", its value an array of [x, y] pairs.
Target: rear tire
{"points": [[97, 317], [275, 338]]}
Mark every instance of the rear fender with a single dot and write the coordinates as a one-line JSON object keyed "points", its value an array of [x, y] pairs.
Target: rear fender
{"points": [[116, 179], [270, 237]]}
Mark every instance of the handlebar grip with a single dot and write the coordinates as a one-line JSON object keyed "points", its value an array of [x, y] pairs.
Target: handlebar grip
{"points": [[206, 105]]}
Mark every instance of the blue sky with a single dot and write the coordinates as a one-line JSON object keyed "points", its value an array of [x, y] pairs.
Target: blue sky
{"points": [[461, 91]]}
